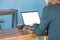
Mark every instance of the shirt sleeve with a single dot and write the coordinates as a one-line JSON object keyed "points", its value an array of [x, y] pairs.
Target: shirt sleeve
{"points": [[40, 29]]}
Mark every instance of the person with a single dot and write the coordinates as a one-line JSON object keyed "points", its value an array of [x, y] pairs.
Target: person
{"points": [[50, 20]]}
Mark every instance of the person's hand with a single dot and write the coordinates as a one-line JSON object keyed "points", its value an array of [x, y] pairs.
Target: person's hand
{"points": [[27, 31], [32, 24]]}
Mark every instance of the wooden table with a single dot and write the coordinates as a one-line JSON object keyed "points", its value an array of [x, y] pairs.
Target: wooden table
{"points": [[12, 12], [15, 34]]}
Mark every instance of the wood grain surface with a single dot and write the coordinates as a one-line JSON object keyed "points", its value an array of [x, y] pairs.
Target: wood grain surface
{"points": [[15, 34]]}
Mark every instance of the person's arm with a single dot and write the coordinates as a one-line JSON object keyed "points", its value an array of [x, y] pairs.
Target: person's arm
{"points": [[40, 29]]}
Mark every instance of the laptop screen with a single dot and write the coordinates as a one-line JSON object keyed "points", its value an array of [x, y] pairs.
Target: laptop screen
{"points": [[30, 17]]}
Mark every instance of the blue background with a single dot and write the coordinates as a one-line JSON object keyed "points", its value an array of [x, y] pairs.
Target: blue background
{"points": [[20, 5]]}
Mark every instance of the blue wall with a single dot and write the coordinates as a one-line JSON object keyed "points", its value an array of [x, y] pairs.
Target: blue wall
{"points": [[20, 5]]}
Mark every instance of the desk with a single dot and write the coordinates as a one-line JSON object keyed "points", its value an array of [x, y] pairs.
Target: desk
{"points": [[15, 34], [10, 12]]}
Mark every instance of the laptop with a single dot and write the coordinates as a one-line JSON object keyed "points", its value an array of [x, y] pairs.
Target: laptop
{"points": [[30, 17]]}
